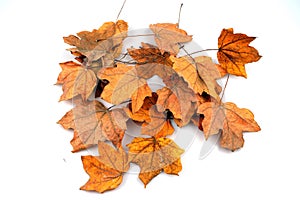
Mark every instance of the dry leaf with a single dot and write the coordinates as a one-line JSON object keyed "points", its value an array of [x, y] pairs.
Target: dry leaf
{"points": [[234, 52], [93, 122], [168, 36], [154, 156], [159, 124], [105, 171], [76, 80], [230, 120], [142, 115], [150, 54], [124, 83], [200, 73], [101, 46]]}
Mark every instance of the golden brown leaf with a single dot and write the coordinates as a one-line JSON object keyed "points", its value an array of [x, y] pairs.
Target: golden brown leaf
{"points": [[105, 171], [148, 53], [93, 122], [124, 83], [234, 52], [76, 80], [167, 36], [200, 73], [155, 155], [101, 46], [230, 120], [159, 124], [142, 115]]}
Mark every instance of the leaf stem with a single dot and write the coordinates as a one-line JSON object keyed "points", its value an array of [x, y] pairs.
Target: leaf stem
{"points": [[179, 15], [227, 79], [204, 50], [121, 10], [128, 101], [152, 34]]}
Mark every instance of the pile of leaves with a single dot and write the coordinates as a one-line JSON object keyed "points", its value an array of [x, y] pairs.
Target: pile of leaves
{"points": [[103, 72]]}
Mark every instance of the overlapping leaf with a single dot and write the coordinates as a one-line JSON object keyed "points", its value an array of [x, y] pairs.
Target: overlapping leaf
{"points": [[230, 120], [154, 156], [105, 171], [93, 122], [168, 36], [76, 80]]}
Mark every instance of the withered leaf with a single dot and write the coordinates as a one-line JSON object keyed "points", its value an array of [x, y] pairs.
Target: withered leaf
{"points": [[101, 46], [76, 80], [93, 122], [149, 54], [142, 115], [154, 155], [124, 83], [234, 52], [167, 36], [200, 73], [105, 171], [230, 120], [159, 124]]}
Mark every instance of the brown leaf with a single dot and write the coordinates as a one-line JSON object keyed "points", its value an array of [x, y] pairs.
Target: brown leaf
{"points": [[200, 73], [234, 52], [167, 36], [155, 155], [142, 115], [230, 120], [93, 122], [100, 46], [150, 54], [159, 124], [124, 83], [125, 80], [105, 171], [76, 80]]}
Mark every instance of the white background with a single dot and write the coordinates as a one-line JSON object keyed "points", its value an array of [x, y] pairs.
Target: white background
{"points": [[36, 162]]}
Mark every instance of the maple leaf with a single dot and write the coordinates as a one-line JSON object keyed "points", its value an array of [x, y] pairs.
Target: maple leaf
{"points": [[102, 46], [105, 171], [234, 52], [148, 53], [167, 100], [167, 36], [230, 120], [159, 124], [142, 115], [76, 80], [155, 155], [200, 73], [124, 83], [93, 122]]}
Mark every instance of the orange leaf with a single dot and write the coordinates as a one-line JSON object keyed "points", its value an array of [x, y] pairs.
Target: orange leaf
{"points": [[148, 53], [167, 36], [105, 171], [142, 115], [76, 80], [92, 122], [200, 73], [124, 83], [230, 120], [100, 46], [155, 155], [159, 124], [234, 52]]}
